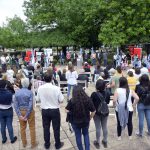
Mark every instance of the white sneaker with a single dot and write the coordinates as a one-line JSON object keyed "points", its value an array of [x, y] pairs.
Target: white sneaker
{"points": [[130, 137], [119, 138]]}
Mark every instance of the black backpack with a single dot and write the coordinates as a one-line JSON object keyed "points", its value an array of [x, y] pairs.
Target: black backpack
{"points": [[145, 97], [102, 109]]}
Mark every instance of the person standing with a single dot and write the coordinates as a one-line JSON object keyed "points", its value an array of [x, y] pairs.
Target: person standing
{"points": [[50, 97], [143, 108], [99, 119], [124, 108], [82, 110], [3, 63], [105, 58], [23, 103], [71, 76], [68, 56], [62, 58], [6, 112], [98, 56]]}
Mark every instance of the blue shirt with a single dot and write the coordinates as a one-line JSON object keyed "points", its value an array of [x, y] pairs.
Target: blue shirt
{"points": [[23, 100]]}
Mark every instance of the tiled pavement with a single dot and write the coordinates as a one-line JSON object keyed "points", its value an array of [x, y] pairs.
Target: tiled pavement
{"points": [[69, 139]]}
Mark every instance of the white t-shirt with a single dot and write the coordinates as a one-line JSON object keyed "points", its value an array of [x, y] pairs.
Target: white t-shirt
{"points": [[50, 96], [3, 60], [71, 77], [122, 98], [144, 70], [10, 74]]}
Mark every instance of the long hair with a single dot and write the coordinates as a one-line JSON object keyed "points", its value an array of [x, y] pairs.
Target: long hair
{"points": [[144, 80], [79, 99], [123, 83]]}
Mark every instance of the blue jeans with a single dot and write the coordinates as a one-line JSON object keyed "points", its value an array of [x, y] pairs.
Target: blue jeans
{"points": [[143, 110], [78, 134], [69, 90], [6, 118]]}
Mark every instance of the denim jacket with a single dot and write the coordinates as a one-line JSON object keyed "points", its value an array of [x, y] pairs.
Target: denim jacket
{"points": [[23, 100]]}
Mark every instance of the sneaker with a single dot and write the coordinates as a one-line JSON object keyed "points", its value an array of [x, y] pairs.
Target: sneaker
{"points": [[4, 141], [139, 135], [61, 145], [148, 133], [104, 144], [35, 145], [96, 144], [130, 137], [14, 140], [119, 138]]}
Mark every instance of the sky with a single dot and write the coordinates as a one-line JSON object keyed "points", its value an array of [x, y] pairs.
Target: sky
{"points": [[8, 8]]}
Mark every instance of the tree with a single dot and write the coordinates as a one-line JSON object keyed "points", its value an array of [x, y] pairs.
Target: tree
{"points": [[127, 22]]}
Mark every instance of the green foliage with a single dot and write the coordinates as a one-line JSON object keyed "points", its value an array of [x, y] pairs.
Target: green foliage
{"points": [[127, 22], [79, 22]]}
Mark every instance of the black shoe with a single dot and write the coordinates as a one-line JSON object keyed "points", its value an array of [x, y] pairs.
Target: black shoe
{"points": [[14, 140], [61, 145], [47, 146], [4, 141], [96, 144], [104, 144]]}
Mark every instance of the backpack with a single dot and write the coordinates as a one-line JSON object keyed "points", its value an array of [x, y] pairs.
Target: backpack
{"points": [[145, 97], [102, 109]]}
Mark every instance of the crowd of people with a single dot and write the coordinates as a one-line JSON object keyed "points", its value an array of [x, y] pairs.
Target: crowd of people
{"points": [[130, 88]]}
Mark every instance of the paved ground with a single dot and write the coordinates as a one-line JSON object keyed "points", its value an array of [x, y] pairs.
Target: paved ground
{"points": [[69, 139]]}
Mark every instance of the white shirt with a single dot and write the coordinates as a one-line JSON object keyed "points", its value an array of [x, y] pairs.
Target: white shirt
{"points": [[144, 70], [3, 60], [10, 74], [71, 77], [122, 98], [50, 96]]}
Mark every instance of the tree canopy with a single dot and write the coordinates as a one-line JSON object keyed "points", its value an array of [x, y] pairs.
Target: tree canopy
{"points": [[79, 22]]}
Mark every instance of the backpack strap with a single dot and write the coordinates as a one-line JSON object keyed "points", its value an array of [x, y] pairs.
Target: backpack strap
{"points": [[100, 96]]}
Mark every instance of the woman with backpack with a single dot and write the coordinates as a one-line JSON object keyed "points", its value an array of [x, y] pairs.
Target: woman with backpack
{"points": [[80, 109], [124, 107], [100, 99], [143, 107]]}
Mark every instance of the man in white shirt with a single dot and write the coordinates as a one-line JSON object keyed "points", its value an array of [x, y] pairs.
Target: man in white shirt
{"points": [[144, 70], [50, 97]]}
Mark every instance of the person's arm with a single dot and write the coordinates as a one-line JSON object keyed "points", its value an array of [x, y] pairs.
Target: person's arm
{"points": [[136, 98], [67, 75], [38, 95], [30, 108], [76, 75], [92, 109], [112, 84], [60, 97], [92, 114], [115, 98], [16, 106]]}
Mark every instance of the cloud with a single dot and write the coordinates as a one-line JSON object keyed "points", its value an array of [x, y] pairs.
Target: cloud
{"points": [[8, 8]]}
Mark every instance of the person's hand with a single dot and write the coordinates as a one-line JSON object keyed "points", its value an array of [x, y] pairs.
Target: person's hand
{"points": [[108, 85], [21, 118], [25, 119], [134, 105]]}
